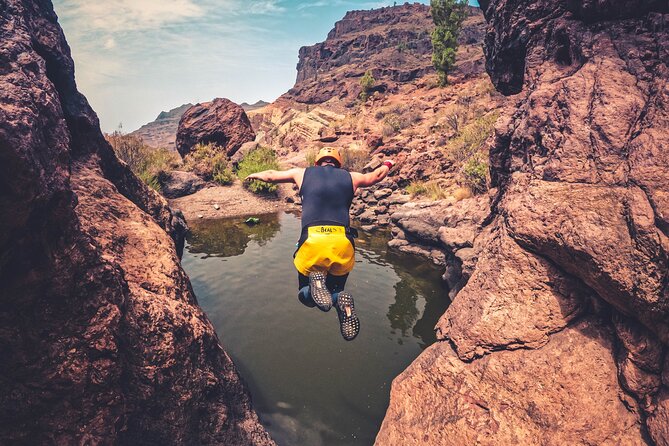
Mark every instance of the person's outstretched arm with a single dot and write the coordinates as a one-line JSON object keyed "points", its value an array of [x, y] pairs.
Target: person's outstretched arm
{"points": [[293, 175], [373, 177]]}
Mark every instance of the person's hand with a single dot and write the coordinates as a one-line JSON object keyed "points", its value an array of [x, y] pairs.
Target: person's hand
{"points": [[390, 163], [253, 176]]}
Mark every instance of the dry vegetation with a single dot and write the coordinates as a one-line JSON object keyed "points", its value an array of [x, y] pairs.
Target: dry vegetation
{"points": [[145, 162]]}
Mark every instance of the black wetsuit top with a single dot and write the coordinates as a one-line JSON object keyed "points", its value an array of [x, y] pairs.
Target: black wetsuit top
{"points": [[326, 194]]}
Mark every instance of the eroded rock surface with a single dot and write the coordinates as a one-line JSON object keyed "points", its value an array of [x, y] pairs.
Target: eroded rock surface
{"points": [[560, 334], [102, 340], [220, 121], [392, 42]]}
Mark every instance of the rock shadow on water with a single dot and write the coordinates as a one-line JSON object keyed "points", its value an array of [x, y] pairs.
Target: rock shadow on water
{"points": [[229, 237], [404, 314]]}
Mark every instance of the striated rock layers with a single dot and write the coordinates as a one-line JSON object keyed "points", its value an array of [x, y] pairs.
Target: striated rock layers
{"points": [[560, 334], [101, 338], [221, 122], [393, 42]]}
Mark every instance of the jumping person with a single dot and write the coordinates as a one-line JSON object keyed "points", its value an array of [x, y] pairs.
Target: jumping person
{"points": [[325, 253]]}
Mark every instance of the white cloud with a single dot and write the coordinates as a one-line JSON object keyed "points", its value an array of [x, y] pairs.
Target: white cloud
{"points": [[266, 7], [316, 4], [129, 15], [110, 44]]}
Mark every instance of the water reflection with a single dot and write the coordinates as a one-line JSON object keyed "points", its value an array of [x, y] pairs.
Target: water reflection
{"points": [[309, 386], [418, 283], [403, 313], [230, 237]]}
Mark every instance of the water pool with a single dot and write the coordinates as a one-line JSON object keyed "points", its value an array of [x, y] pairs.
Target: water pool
{"points": [[309, 386]]}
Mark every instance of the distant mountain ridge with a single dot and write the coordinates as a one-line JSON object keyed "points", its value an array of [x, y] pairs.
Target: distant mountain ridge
{"points": [[257, 105], [162, 131]]}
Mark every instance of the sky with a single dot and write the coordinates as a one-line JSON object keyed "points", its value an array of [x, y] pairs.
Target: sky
{"points": [[136, 58]]}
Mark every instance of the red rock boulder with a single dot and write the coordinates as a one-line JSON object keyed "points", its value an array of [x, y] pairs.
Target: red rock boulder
{"points": [[221, 122]]}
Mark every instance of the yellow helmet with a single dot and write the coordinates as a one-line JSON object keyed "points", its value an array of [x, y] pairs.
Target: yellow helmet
{"points": [[328, 152]]}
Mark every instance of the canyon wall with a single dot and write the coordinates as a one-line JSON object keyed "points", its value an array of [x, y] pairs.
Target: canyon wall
{"points": [[393, 42], [101, 337], [560, 333]]}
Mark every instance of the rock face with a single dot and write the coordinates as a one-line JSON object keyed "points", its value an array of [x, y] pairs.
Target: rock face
{"points": [[393, 42], [221, 122], [560, 333], [102, 340]]}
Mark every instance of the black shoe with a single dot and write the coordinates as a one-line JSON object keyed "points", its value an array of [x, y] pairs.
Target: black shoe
{"points": [[319, 292], [349, 324]]}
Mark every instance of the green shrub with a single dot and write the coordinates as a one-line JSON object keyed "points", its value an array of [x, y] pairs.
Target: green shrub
{"points": [[475, 173], [224, 176], [204, 159], [257, 160], [448, 16], [158, 161], [367, 83], [471, 137]]}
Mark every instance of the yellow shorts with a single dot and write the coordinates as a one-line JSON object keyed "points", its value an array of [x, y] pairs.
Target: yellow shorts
{"points": [[326, 249]]}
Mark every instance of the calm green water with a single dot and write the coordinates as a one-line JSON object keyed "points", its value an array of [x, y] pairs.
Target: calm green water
{"points": [[309, 386]]}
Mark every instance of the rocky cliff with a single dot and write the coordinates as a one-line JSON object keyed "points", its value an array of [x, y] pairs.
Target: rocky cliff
{"points": [[407, 118], [560, 333], [102, 340], [393, 42]]}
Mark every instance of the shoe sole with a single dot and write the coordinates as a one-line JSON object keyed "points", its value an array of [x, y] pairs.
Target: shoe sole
{"points": [[319, 291], [349, 324]]}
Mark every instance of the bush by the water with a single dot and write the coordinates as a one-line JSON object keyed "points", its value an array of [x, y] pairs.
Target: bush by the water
{"points": [[257, 160], [209, 162], [145, 162]]}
